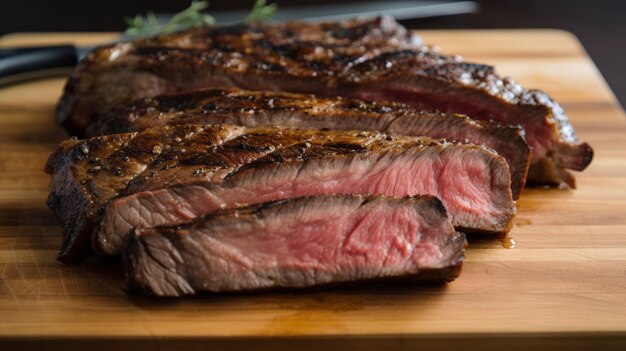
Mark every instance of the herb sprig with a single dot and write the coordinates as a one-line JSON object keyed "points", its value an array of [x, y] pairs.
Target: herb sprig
{"points": [[261, 12], [193, 16]]}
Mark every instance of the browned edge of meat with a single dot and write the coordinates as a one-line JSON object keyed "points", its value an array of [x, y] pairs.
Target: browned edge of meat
{"points": [[374, 59], [166, 175], [108, 84], [297, 243], [258, 109], [86, 174]]}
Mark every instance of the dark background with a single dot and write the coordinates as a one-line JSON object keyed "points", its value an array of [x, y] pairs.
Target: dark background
{"points": [[599, 24]]}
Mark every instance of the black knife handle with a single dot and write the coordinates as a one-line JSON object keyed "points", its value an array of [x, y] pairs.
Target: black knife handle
{"points": [[17, 64]]}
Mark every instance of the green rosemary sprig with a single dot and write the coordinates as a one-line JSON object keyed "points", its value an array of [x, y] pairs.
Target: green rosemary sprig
{"points": [[261, 12], [148, 25]]}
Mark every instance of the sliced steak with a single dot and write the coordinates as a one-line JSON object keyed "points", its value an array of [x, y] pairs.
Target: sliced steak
{"points": [[167, 175], [297, 243], [257, 109], [367, 59]]}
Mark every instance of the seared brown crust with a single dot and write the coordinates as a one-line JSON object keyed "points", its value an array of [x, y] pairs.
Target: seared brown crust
{"points": [[254, 109], [370, 59], [428, 276], [123, 72], [87, 174]]}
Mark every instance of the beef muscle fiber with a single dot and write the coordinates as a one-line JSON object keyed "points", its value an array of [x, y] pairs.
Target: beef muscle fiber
{"points": [[297, 243]]}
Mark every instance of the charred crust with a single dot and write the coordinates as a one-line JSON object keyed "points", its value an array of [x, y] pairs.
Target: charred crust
{"points": [[333, 58], [350, 147]]}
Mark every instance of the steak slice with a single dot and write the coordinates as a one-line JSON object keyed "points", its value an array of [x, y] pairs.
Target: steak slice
{"points": [[373, 59], [297, 243], [255, 109], [168, 175]]}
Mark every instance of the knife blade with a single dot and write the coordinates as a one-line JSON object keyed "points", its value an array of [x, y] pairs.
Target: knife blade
{"points": [[28, 63]]}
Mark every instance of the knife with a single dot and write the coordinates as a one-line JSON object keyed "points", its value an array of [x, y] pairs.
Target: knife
{"points": [[27, 63]]}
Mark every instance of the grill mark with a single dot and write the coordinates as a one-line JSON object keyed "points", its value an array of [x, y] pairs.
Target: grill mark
{"points": [[317, 148], [283, 50], [168, 103], [236, 151], [381, 60], [100, 144], [277, 155], [266, 47], [172, 155], [267, 66], [349, 147], [223, 102]]}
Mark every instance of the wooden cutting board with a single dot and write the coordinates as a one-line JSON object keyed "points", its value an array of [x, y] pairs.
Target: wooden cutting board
{"points": [[563, 285]]}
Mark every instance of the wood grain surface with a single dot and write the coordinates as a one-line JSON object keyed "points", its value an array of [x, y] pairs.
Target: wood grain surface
{"points": [[563, 285]]}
